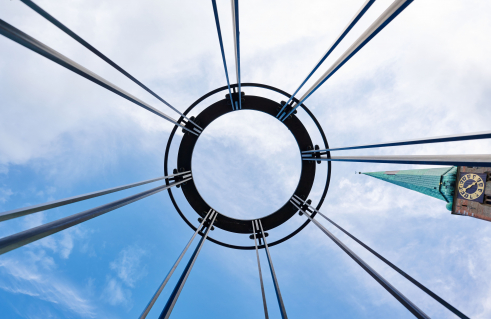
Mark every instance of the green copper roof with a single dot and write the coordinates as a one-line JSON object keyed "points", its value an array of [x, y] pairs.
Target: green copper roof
{"points": [[434, 182]]}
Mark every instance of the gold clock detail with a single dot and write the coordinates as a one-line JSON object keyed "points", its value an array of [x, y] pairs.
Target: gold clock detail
{"points": [[471, 186]]}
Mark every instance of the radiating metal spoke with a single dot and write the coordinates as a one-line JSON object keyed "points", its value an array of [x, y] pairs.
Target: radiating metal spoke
{"points": [[28, 236], [217, 22], [382, 21], [364, 8], [400, 271], [65, 201], [77, 38], [171, 271], [429, 140], [20, 37], [260, 272], [273, 274], [182, 280], [483, 160], [235, 21], [391, 289]]}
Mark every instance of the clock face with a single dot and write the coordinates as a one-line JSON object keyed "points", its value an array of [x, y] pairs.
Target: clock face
{"points": [[471, 186]]}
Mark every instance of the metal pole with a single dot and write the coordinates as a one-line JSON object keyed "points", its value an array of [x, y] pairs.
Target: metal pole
{"points": [[382, 21], [429, 140], [483, 160], [28, 236], [273, 274], [171, 271], [260, 273], [400, 271], [364, 8], [235, 21], [391, 289], [29, 42], [65, 201], [182, 280], [74, 36], [217, 22]]}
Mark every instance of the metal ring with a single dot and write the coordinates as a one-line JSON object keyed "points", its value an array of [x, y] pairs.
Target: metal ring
{"points": [[328, 177], [185, 157]]}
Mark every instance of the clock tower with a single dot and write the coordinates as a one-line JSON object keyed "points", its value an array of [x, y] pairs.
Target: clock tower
{"points": [[466, 190]]}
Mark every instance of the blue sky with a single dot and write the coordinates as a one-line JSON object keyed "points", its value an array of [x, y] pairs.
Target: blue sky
{"points": [[426, 74]]}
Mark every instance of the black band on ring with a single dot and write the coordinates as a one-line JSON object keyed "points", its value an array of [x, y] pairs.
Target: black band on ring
{"points": [[241, 228]]}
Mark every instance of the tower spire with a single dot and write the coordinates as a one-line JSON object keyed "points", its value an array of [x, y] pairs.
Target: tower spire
{"points": [[435, 182]]}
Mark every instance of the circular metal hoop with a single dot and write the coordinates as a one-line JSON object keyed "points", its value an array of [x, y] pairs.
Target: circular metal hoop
{"points": [[232, 224], [244, 226]]}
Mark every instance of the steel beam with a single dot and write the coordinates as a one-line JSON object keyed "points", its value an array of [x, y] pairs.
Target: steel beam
{"points": [[171, 271], [217, 22], [260, 272], [273, 274], [418, 313], [74, 36], [382, 21], [400, 271], [429, 140], [483, 160], [169, 306], [65, 201], [28, 236], [364, 8], [29, 42], [235, 22]]}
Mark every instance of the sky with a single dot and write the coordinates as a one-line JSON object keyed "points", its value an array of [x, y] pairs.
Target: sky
{"points": [[427, 74]]}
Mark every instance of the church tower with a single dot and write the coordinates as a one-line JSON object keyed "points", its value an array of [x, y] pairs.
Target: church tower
{"points": [[473, 185], [434, 182]]}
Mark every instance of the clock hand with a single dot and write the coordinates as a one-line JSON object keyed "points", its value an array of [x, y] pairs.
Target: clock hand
{"points": [[466, 188]]}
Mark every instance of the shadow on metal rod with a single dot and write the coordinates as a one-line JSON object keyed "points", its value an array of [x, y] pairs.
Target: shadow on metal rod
{"points": [[28, 236], [391, 289], [171, 302]]}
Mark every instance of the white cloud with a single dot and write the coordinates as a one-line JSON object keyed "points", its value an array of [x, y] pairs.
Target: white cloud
{"points": [[233, 159], [128, 268], [128, 265], [115, 294], [30, 276], [5, 193], [426, 74]]}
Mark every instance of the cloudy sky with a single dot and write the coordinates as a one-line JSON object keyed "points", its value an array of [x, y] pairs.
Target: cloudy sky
{"points": [[427, 74]]}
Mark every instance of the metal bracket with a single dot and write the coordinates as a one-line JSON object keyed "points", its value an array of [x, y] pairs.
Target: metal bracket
{"points": [[190, 126], [177, 178], [206, 224], [317, 154], [235, 97], [305, 206], [287, 110], [259, 235]]}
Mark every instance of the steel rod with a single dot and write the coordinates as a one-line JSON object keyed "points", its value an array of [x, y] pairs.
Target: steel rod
{"points": [[382, 21], [30, 235], [14, 213], [29, 42], [429, 140], [235, 22], [217, 22], [171, 271], [418, 313], [483, 160], [169, 306], [273, 274], [400, 271], [364, 8], [260, 272], [77, 38]]}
